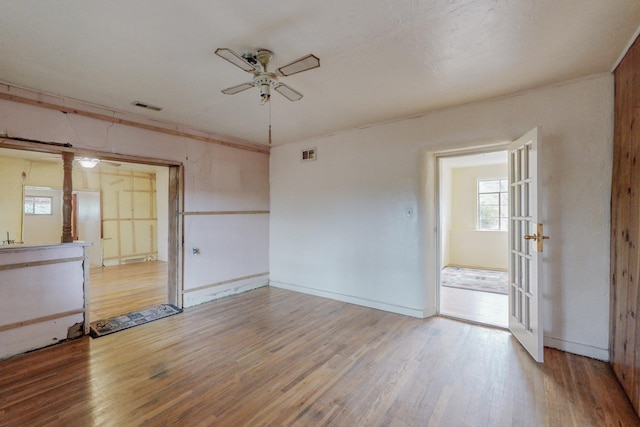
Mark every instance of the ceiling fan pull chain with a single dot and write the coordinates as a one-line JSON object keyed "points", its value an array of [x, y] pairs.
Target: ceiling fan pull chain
{"points": [[269, 123]]}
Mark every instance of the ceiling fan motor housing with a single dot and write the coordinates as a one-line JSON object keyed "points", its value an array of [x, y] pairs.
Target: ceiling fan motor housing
{"points": [[263, 56]]}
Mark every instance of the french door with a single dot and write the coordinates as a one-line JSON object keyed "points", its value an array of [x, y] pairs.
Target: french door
{"points": [[525, 243]]}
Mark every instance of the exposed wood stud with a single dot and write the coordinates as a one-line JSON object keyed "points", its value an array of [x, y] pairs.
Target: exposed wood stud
{"points": [[175, 252]]}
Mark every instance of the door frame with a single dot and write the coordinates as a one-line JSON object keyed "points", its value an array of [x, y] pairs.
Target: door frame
{"points": [[438, 156], [175, 276]]}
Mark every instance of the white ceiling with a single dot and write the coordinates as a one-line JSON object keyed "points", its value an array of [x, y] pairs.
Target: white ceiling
{"points": [[380, 59]]}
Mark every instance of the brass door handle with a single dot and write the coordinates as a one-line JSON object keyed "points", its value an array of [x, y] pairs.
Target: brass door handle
{"points": [[538, 237], [535, 237]]}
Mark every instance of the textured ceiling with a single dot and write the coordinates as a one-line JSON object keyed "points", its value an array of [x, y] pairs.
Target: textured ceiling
{"points": [[380, 60]]}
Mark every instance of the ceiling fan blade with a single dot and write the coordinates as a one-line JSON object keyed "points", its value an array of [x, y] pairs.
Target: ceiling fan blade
{"points": [[235, 59], [299, 65], [239, 88], [287, 92]]}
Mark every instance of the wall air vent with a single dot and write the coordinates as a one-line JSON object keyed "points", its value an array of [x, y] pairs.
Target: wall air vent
{"points": [[309, 154], [147, 106]]}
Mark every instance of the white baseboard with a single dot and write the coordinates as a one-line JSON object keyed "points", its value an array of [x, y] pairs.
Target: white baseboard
{"points": [[407, 311], [575, 348]]}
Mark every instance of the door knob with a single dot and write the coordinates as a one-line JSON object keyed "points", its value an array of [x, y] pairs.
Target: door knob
{"points": [[538, 237]]}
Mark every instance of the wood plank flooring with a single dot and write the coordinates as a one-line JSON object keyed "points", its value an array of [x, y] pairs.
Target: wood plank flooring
{"points": [[125, 288], [474, 306], [275, 357], [471, 305]]}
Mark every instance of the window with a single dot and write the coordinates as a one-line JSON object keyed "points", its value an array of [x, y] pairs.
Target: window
{"points": [[37, 205], [493, 204]]}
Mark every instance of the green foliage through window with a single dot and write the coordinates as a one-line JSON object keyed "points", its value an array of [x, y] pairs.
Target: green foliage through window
{"points": [[493, 204]]}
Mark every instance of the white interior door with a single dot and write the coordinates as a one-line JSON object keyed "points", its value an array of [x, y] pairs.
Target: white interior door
{"points": [[525, 243], [89, 223]]}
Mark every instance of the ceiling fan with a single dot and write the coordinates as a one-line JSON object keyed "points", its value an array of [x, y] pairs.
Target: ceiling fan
{"points": [[256, 62]]}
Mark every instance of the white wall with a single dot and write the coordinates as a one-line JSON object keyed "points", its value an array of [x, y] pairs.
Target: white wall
{"points": [[216, 178], [339, 226], [468, 246]]}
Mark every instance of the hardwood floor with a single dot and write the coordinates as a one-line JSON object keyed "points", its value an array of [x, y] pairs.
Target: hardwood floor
{"points": [[275, 357], [474, 306], [486, 308], [121, 289]]}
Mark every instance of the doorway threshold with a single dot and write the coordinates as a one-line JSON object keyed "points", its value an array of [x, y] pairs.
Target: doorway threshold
{"points": [[474, 322], [484, 308]]}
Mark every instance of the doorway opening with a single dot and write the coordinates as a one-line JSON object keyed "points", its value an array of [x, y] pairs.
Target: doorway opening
{"points": [[128, 211], [474, 242], [130, 232]]}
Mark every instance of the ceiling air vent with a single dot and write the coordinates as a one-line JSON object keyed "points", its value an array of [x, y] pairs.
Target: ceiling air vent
{"points": [[147, 106], [309, 154]]}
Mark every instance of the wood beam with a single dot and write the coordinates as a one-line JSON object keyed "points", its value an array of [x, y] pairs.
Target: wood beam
{"points": [[67, 190]]}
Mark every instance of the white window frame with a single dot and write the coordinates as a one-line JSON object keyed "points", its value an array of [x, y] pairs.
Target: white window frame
{"points": [[34, 202], [502, 194]]}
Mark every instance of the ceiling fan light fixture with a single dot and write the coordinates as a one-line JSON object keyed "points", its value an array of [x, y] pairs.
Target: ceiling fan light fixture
{"points": [[88, 163], [299, 65], [265, 93]]}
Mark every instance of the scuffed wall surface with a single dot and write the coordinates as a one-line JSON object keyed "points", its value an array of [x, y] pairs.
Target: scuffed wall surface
{"points": [[51, 294]]}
